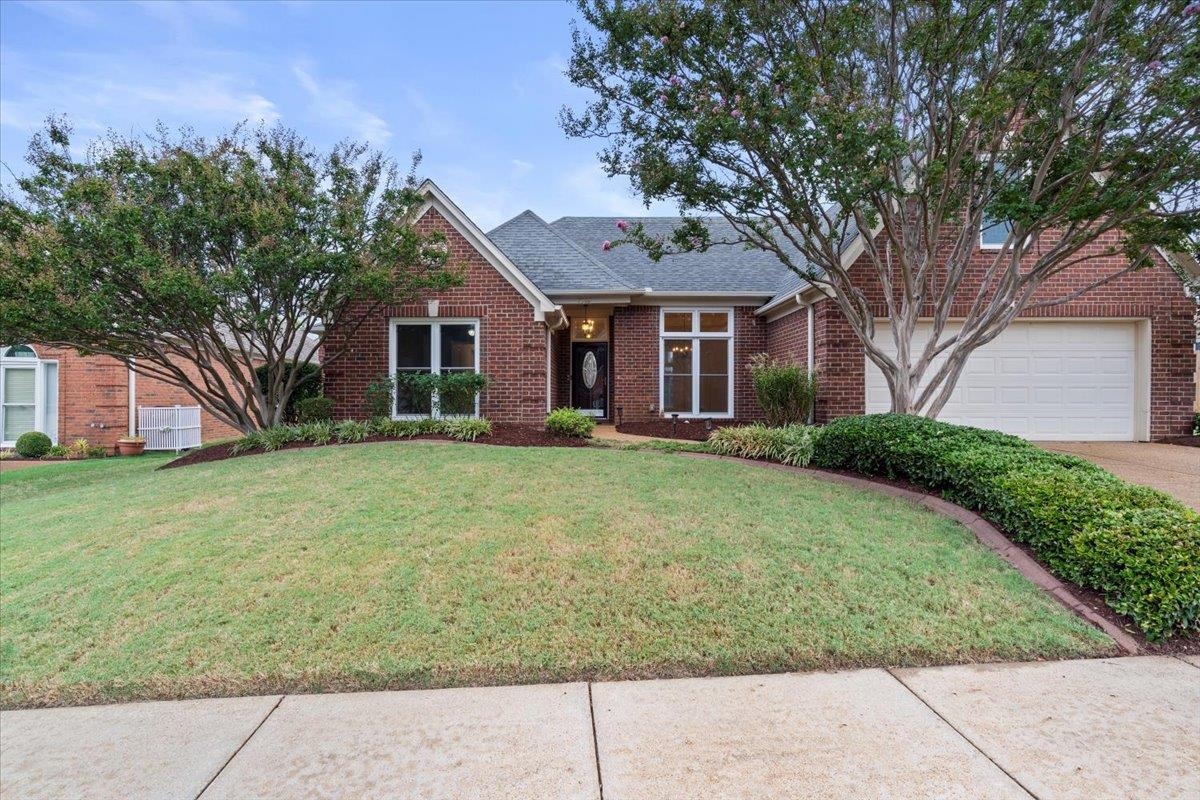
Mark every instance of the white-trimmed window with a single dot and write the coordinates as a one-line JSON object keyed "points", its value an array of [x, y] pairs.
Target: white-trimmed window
{"points": [[28, 394], [993, 233], [696, 362], [431, 346]]}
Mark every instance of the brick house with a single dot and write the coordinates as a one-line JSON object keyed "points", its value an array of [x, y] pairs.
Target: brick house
{"points": [[553, 319], [69, 396]]}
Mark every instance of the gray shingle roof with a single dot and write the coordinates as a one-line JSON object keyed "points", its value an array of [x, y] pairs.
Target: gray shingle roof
{"points": [[721, 268], [550, 260], [567, 255]]}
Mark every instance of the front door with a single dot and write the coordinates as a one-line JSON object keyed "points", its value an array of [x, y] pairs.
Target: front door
{"points": [[589, 378]]}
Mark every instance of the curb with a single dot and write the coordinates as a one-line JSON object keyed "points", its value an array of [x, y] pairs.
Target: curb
{"points": [[984, 531]]}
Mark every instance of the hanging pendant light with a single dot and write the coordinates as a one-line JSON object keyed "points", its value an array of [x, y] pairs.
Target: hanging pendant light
{"points": [[587, 327]]}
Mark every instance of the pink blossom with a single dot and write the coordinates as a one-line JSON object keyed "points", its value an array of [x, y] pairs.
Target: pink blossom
{"points": [[716, 109], [662, 98], [663, 41], [839, 137], [736, 113], [1191, 9], [606, 246], [676, 80], [1155, 65], [622, 225], [778, 89]]}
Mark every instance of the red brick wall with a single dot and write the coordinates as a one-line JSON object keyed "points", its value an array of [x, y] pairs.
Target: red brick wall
{"points": [[93, 398], [512, 344], [635, 337], [1155, 294]]}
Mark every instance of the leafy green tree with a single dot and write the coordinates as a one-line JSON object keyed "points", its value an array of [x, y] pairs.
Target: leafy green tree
{"points": [[196, 260], [807, 125]]}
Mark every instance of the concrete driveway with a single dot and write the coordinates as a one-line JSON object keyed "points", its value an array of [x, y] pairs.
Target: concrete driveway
{"points": [[1170, 468]]}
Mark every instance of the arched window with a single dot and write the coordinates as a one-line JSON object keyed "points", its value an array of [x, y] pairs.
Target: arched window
{"points": [[20, 351]]}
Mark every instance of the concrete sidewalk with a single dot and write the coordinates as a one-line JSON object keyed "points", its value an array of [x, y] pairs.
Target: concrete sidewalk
{"points": [[1119, 728]]}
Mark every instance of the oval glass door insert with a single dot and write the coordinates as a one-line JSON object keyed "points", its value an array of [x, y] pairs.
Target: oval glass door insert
{"points": [[589, 369]]}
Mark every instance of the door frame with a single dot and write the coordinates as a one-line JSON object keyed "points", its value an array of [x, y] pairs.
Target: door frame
{"points": [[607, 413]]}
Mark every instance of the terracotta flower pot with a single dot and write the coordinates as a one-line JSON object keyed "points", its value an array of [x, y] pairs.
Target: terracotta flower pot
{"points": [[129, 447]]}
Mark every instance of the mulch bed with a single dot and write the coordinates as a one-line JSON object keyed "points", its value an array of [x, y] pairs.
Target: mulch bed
{"points": [[506, 434], [1186, 441], [690, 429]]}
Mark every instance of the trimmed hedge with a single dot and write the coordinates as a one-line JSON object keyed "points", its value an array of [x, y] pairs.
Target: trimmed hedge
{"points": [[313, 409], [1138, 546]]}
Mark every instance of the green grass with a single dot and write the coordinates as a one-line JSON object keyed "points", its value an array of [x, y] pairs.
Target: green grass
{"points": [[418, 564]]}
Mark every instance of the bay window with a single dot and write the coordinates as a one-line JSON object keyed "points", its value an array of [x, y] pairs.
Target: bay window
{"points": [[696, 357], [432, 347]]}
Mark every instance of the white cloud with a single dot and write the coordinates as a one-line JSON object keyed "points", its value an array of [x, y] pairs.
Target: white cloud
{"points": [[593, 192], [183, 16], [334, 101], [520, 168], [431, 122]]}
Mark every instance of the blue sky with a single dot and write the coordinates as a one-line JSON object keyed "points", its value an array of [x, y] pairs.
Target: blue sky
{"points": [[475, 86]]}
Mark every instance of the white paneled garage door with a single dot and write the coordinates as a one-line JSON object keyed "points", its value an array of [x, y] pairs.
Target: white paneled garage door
{"points": [[1041, 380]]}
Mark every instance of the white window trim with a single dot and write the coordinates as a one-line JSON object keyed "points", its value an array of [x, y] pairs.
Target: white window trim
{"points": [[695, 335], [435, 366], [38, 365]]}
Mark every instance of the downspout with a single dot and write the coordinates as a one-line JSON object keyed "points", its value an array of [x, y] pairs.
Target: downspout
{"points": [[549, 361], [132, 401], [812, 361]]}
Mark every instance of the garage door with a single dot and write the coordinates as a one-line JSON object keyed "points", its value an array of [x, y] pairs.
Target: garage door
{"points": [[1040, 380]]}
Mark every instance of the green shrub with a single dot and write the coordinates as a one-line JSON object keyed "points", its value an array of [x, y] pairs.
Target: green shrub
{"points": [[403, 428], [1196, 425], [380, 397], [786, 392], [318, 432], [276, 437], [569, 422], [251, 441], [308, 384], [57, 451], [97, 451], [33, 444], [1085, 523], [350, 430], [313, 409], [446, 393], [790, 444], [468, 429]]}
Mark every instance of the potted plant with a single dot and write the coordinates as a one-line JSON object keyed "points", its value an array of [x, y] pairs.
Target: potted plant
{"points": [[131, 445]]}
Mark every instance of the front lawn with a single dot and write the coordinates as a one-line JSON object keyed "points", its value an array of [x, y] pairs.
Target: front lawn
{"points": [[422, 564]]}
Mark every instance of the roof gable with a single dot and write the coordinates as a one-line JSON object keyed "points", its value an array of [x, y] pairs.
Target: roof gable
{"points": [[437, 199]]}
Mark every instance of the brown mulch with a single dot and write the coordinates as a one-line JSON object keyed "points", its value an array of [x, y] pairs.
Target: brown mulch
{"points": [[505, 434], [1190, 440], [690, 429]]}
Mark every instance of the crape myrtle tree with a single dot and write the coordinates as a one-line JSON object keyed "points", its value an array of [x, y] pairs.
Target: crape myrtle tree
{"points": [[1073, 123], [194, 260]]}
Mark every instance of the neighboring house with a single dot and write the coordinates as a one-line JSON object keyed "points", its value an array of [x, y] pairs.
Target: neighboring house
{"points": [[555, 320], [69, 396]]}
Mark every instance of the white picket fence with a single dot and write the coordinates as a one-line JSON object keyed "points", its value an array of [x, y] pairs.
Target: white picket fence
{"points": [[169, 427]]}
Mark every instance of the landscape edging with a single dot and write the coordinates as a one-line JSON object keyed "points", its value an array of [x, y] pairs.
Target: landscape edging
{"points": [[987, 533]]}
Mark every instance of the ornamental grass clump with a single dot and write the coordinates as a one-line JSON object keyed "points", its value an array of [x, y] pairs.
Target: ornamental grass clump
{"points": [[785, 391], [351, 430], [1138, 546], [789, 444]]}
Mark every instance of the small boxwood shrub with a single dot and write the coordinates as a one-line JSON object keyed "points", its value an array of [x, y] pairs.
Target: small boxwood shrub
{"points": [[789, 444], [569, 422], [313, 409], [1137, 545], [33, 444]]}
